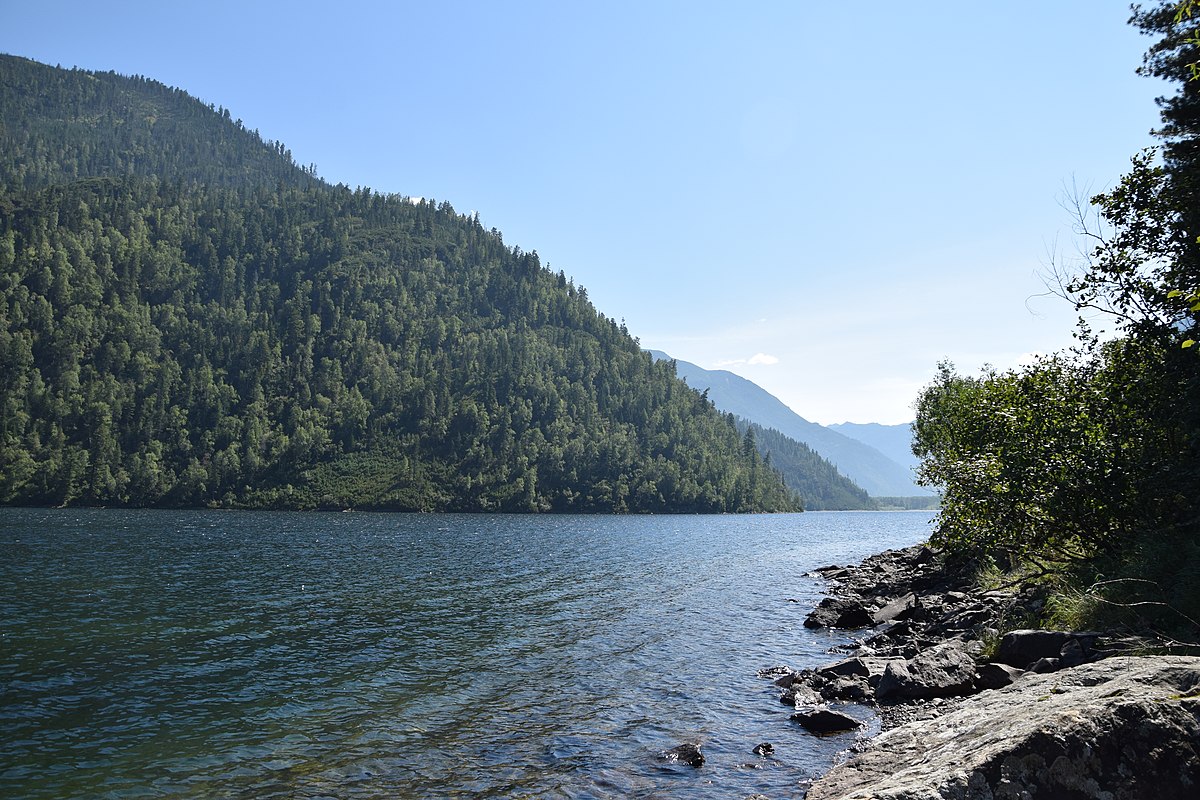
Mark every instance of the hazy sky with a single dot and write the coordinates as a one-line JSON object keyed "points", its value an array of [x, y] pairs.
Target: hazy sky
{"points": [[826, 198]]}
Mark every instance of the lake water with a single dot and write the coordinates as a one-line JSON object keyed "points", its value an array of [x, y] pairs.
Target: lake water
{"points": [[210, 654]]}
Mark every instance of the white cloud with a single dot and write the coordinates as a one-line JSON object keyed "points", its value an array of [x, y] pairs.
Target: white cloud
{"points": [[758, 359]]}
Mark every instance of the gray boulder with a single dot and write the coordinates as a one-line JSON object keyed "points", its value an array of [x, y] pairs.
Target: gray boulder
{"points": [[846, 688], [996, 676], [785, 681], [1021, 648], [1074, 653], [835, 612], [1120, 729], [1044, 665], [896, 609], [845, 668], [800, 694], [824, 721], [943, 671]]}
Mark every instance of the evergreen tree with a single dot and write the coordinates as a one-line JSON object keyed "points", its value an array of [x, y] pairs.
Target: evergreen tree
{"points": [[188, 318]]}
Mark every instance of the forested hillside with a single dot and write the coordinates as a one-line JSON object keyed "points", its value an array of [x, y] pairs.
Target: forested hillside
{"points": [[820, 486], [862, 463], [62, 125], [190, 319]]}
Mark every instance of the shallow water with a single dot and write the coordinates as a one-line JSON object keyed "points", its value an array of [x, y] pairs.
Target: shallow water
{"points": [[236, 654]]}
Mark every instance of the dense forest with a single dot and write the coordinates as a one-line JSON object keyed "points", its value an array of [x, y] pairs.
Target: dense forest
{"points": [[1083, 469], [64, 125], [187, 317], [818, 483]]}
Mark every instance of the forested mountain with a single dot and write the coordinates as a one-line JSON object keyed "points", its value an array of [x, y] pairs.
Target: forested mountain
{"points": [[62, 125], [188, 318], [863, 464], [820, 486]]}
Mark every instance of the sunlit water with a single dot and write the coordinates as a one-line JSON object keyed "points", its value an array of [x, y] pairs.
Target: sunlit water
{"points": [[231, 654]]}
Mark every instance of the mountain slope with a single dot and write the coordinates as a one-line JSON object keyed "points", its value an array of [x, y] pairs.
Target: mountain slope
{"points": [[62, 125], [187, 318], [863, 464], [820, 486], [894, 441]]}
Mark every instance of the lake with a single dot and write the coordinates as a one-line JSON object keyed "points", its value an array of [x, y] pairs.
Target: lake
{"points": [[213, 654]]}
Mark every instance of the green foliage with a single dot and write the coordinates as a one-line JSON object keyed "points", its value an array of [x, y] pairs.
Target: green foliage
{"points": [[1065, 459], [1184, 11], [65, 125], [1087, 466], [187, 318], [1131, 271], [818, 483], [1173, 57]]}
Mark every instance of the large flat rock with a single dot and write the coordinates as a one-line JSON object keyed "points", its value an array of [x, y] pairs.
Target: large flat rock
{"points": [[1120, 729]]}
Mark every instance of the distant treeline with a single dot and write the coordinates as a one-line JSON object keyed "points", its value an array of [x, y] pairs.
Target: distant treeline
{"points": [[919, 503]]}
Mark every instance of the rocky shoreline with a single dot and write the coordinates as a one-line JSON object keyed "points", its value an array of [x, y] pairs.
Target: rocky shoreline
{"points": [[974, 703]]}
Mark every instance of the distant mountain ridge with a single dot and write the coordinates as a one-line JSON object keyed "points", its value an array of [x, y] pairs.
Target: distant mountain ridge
{"points": [[865, 465], [820, 486], [894, 441]]}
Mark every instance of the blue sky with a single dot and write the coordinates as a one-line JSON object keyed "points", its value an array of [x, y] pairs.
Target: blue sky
{"points": [[826, 198]]}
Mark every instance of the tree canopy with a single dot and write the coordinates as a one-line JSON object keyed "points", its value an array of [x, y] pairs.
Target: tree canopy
{"points": [[1092, 458], [189, 318]]}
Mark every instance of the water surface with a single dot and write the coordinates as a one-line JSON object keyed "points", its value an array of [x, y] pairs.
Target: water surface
{"points": [[235, 654]]}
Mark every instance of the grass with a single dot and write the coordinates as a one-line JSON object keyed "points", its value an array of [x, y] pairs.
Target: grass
{"points": [[1148, 596]]}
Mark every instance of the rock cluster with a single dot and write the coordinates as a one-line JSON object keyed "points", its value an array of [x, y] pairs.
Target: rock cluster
{"points": [[1121, 729], [970, 713], [931, 633]]}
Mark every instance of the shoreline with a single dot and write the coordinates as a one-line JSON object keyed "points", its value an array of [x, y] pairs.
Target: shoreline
{"points": [[954, 673]]}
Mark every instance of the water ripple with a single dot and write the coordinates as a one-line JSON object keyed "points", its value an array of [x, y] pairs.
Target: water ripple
{"points": [[215, 654]]}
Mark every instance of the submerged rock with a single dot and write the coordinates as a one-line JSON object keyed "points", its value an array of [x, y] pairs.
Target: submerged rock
{"points": [[774, 672], [1122, 729], [685, 753]]}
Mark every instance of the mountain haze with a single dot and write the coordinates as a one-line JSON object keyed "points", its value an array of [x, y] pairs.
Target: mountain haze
{"points": [[865, 465], [189, 318], [894, 441], [820, 486]]}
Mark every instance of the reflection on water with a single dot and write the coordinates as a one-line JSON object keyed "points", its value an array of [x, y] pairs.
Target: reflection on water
{"points": [[237, 654]]}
